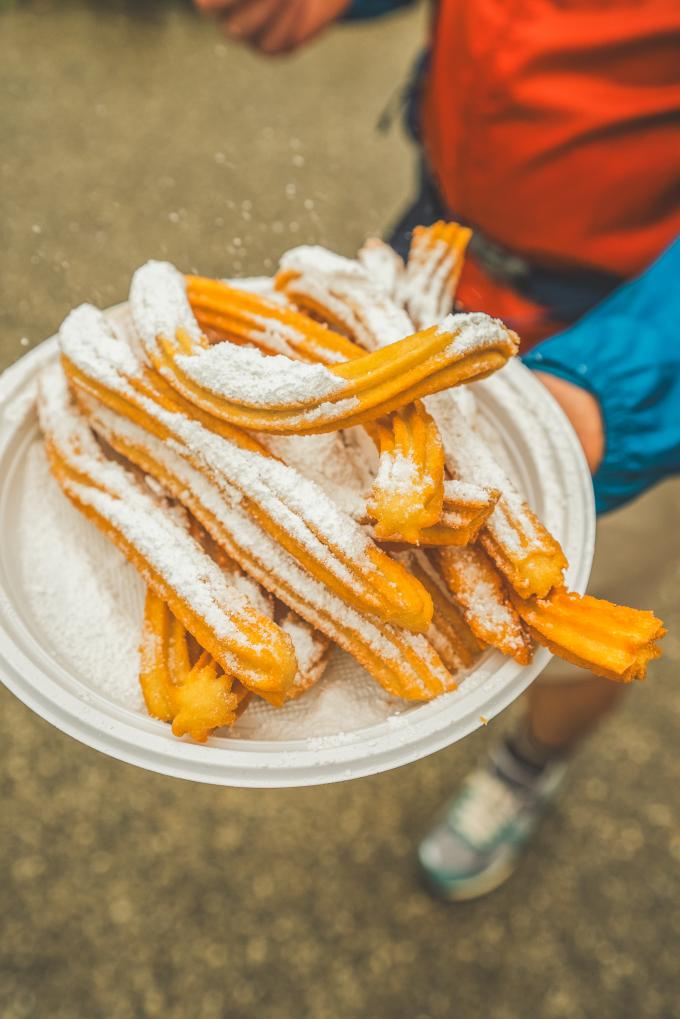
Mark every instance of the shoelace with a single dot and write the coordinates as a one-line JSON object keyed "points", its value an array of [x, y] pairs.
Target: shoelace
{"points": [[485, 808]]}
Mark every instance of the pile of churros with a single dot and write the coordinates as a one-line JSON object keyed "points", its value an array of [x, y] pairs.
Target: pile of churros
{"points": [[298, 469]]}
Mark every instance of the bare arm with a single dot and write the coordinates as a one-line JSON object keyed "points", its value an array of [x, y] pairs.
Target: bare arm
{"points": [[583, 411]]}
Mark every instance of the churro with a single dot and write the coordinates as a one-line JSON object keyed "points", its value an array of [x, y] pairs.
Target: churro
{"points": [[408, 492], [609, 640], [242, 386], [466, 508], [383, 264], [312, 650], [197, 697], [341, 292], [477, 587], [521, 547], [450, 634], [427, 289], [229, 313]]}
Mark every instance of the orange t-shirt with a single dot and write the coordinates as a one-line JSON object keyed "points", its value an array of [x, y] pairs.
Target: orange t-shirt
{"points": [[553, 126]]}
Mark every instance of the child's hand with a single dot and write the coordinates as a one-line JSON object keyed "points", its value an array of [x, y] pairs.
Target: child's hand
{"points": [[273, 26], [583, 411]]}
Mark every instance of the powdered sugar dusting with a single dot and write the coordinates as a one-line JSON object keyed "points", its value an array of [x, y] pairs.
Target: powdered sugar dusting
{"points": [[473, 330], [86, 599], [254, 379], [425, 289], [348, 293], [397, 473], [464, 491], [482, 600], [382, 263], [469, 459], [159, 303], [326, 460], [314, 258], [76, 335]]}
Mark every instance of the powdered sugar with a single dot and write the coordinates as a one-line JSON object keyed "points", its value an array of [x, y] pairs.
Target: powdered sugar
{"points": [[425, 287], [483, 601], [382, 263], [347, 293], [86, 599], [396, 473], [464, 491], [474, 330], [247, 376], [159, 303], [314, 258], [75, 336], [304, 641], [311, 649], [325, 459], [275, 337], [469, 459]]}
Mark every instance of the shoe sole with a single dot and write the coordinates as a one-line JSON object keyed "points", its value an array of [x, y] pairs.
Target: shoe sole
{"points": [[472, 888]]}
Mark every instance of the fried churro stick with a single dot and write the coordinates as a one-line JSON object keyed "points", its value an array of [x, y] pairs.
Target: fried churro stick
{"points": [[522, 548], [197, 698], [253, 591], [382, 263], [408, 492], [205, 701], [474, 582], [449, 633], [331, 462], [245, 643], [466, 509], [154, 672], [341, 293], [244, 387], [405, 664], [312, 649], [295, 511], [435, 262], [244, 317], [609, 640]]}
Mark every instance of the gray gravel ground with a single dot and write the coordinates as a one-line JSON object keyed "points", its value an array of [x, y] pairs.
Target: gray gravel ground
{"points": [[131, 131]]}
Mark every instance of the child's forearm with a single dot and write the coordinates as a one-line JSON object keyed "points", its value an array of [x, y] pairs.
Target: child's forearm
{"points": [[585, 415]]}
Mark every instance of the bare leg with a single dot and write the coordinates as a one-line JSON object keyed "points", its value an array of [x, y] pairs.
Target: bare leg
{"points": [[559, 715]]}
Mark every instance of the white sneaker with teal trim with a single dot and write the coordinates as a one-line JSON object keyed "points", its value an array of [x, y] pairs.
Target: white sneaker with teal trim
{"points": [[477, 843]]}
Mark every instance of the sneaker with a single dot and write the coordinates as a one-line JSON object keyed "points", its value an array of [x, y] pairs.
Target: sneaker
{"points": [[480, 838]]}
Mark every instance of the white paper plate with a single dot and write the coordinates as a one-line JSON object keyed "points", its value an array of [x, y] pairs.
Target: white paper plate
{"points": [[346, 727]]}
